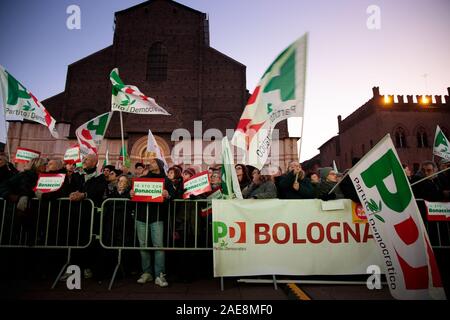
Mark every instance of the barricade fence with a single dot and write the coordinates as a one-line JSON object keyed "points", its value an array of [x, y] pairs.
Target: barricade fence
{"points": [[121, 224], [184, 224]]}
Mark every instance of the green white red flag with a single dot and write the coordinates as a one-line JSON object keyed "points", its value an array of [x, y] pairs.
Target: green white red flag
{"points": [[19, 102], [90, 134], [127, 98], [397, 228], [441, 146], [278, 96], [230, 182]]}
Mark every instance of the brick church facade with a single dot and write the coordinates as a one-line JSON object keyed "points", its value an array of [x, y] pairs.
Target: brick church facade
{"points": [[411, 122], [162, 47]]}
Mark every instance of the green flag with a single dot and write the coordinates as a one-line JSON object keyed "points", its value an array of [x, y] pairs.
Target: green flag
{"points": [[441, 146], [123, 155]]}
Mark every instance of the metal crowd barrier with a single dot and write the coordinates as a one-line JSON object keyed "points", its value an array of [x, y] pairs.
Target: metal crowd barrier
{"points": [[62, 224], [48, 224], [185, 227]]}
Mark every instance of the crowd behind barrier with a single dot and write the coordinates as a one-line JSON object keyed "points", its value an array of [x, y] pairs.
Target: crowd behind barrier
{"points": [[65, 224], [93, 214]]}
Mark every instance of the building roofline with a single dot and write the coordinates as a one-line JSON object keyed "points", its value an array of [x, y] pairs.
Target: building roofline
{"points": [[146, 3], [227, 57], [92, 54], [332, 138]]}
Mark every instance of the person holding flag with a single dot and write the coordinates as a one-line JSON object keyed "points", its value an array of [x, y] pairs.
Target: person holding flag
{"points": [[90, 135], [127, 98]]}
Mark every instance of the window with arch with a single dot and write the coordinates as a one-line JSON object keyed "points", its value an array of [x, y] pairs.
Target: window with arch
{"points": [[422, 138], [157, 62], [400, 138]]}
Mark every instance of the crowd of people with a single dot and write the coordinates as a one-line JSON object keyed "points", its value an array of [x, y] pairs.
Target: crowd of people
{"points": [[88, 182]]}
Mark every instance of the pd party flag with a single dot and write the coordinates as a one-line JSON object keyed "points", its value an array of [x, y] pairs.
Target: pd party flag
{"points": [[90, 134], [128, 98], [230, 182], [397, 228], [441, 146], [278, 96], [21, 103]]}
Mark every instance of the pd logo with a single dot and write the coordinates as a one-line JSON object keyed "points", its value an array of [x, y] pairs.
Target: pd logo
{"points": [[236, 232], [358, 213]]}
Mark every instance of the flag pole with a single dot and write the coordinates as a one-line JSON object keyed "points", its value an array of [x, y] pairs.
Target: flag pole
{"points": [[121, 134], [6, 132], [304, 91], [429, 177]]}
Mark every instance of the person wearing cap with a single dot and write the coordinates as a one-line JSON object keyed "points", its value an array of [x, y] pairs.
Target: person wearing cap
{"points": [[294, 184], [328, 179], [261, 187], [139, 169]]}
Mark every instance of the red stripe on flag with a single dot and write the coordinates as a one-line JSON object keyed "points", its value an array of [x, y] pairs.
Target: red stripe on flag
{"points": [[254, 95], [407, 231], [129, 90], [415, 278]]}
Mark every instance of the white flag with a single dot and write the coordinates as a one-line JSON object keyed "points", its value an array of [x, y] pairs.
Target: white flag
{"points": [[153, 147], [278, 96], [335, 167], [441, 146], [128, 98], [396, 225]]}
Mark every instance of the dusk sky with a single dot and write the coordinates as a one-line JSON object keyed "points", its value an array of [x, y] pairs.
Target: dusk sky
{"points": [[345, 58]]}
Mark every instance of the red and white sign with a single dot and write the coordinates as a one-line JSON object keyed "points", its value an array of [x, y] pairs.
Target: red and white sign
{"points": [[438, 211], [197, 185], [25, 155], [148, 189], [72, 155], [49, 182]]}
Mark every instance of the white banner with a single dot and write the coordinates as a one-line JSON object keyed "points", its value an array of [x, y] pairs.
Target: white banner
{"points": [[289, 237], [400, 235]]}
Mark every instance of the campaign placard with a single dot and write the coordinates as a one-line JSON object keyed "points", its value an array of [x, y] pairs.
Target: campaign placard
{"points": [[148, 189], [196, 185], [49, 182], [25, 155], [72, 155], [438, 211]]}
